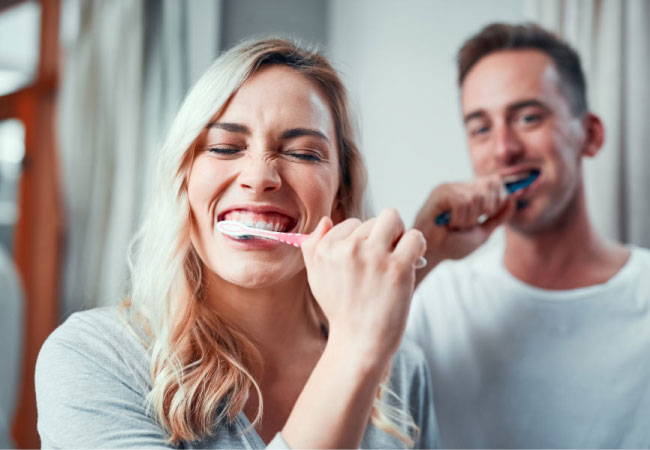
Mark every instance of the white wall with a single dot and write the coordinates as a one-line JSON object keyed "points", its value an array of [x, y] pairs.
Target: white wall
{"points": [[397, 59], [302, 19]]}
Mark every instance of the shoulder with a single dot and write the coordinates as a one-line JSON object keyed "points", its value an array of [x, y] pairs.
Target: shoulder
{"points": [[410, 384], [97, 341], [486, 262], [640, 256], [101, 335], [410, 378], [637, 271], [92, 381], [409, 357], [449, 285]]}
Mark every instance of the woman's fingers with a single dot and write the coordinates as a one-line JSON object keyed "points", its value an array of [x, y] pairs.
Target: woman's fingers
{"points": [[363, 231], [379, 237], [342, 230], [410, 248], [387, 230]]}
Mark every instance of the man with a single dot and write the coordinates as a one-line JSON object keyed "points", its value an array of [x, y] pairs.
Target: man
{"points": [[545, 343]]}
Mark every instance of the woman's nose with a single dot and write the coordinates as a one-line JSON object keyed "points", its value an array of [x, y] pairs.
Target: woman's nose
{"points": [[260, 175]]}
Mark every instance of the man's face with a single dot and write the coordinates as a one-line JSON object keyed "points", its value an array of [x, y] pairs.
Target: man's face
{"points": [[518, 120]]}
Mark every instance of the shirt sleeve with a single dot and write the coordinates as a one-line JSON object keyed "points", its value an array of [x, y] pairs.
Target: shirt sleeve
{"points": [[88, 396], [418, 325], [426, 417]]}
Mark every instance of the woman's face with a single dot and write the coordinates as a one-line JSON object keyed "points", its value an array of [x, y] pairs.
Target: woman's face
{"points": [[269, 160]]}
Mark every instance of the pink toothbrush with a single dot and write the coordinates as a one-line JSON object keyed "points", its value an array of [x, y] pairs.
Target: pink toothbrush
{"points": [[240, 231]]}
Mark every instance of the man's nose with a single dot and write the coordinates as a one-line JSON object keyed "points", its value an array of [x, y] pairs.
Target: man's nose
{"points": [[260, 175], [509, 147]]}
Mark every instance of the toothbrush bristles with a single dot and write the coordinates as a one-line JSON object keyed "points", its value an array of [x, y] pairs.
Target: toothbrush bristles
{"points": [[244, 237]]}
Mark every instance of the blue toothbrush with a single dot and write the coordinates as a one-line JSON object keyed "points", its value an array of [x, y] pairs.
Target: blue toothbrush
{"points": [[443, 218]]}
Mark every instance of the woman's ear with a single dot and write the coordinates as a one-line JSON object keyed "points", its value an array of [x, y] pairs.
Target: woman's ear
{"points": [[337, 212], [594, 135]]}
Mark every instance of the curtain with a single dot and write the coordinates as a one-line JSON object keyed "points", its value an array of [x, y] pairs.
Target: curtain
{"points": [[11, 333], [126, 67], [613, 40]]}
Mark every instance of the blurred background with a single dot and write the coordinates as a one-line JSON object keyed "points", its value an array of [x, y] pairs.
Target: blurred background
{"points": [[89, 87]]}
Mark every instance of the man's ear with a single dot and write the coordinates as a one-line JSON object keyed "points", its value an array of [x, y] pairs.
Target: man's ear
{"points": [[594, 135]]}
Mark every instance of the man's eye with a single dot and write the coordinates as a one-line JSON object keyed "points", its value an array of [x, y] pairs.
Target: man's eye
{"points": [[530, 118], [479, 130]]}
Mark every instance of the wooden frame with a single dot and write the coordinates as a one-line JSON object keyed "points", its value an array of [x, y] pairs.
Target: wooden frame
{"points": [[39, 227]]}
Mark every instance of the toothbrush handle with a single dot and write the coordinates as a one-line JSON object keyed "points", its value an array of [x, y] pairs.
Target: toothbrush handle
{"points": [[443, 218], [295, 239]]}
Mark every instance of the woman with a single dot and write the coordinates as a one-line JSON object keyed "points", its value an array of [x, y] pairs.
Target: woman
{"points": [[246, 343]]}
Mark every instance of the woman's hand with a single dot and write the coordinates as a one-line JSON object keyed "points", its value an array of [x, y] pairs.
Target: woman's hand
{"points": [[363, 276]]}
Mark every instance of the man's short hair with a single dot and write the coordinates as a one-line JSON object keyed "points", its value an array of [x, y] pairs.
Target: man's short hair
{"points": [[500, 36]]}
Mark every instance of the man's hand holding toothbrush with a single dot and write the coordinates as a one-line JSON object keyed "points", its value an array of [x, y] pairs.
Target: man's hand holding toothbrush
{"points": [[471, 211]]}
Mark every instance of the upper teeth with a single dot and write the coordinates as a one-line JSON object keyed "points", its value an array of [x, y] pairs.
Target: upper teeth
{"points": [[263, 221], [270, 226], [517, 177]]}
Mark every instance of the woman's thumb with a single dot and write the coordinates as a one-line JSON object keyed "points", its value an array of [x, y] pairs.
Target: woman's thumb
{"points": [[315, 236]]}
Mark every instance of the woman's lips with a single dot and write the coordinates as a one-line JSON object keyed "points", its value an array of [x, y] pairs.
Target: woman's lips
{"points": [[267, 220]]}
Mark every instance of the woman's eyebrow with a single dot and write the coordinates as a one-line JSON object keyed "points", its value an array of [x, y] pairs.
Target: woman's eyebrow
{"points": [[297, 132], [232, 127]]}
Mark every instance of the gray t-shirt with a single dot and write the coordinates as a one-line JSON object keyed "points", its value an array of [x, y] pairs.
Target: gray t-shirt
{"points": [[92, 378]]}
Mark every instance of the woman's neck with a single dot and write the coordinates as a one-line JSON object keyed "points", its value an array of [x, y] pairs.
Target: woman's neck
{"points": [[276, 317]]}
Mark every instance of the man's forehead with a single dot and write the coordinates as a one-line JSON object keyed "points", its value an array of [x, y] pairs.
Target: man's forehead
{"points": [[507, 77]]}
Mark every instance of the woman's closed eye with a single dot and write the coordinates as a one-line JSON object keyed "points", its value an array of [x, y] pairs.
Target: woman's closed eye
{"points": [[225, 150], [304, 155]]}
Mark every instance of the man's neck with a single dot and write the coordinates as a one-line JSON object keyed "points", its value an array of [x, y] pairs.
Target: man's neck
{"points": [[567, 255]]}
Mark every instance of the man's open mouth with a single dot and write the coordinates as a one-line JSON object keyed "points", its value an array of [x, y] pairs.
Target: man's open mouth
{"points": [[520, 180]]}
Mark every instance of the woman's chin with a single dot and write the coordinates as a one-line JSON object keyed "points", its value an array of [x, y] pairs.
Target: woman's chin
{"points": [[259, 275]]}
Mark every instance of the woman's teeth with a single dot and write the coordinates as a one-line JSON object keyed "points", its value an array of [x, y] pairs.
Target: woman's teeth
{"points": [[273, 223], [270, 226]]}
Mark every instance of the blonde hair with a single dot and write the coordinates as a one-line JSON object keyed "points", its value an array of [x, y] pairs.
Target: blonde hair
{"points": [[203, 368]]}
